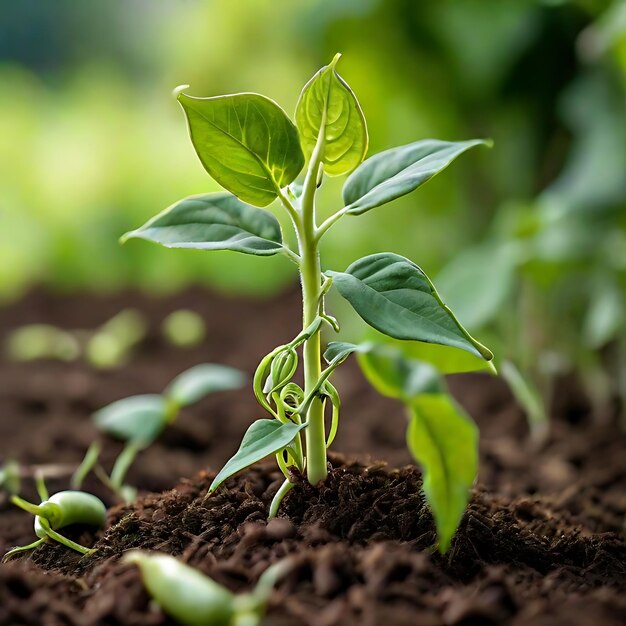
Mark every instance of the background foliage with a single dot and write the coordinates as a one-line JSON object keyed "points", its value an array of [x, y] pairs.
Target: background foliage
{"points": [[93, 144]]}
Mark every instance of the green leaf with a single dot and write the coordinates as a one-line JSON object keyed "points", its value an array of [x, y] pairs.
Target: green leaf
{"points": [[478, 282], [444, 441], [246, 143], [328, 105], [216, 221], [444, 359], [338, 351], [394, 173], [201, 380], [139, 419], [395, 376], [263, 438], [394, 296]]}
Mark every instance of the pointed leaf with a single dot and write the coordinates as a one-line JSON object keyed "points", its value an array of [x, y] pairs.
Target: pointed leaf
{"points": [[140, 419], [398, 171], [246, 143], [201, 380], [263, 438], [328, 102], [393, 295], [216, 221], [444, 441], [338, 351]]}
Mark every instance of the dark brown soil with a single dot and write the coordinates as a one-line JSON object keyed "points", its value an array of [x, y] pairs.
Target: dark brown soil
{"points": [[541, 544]]}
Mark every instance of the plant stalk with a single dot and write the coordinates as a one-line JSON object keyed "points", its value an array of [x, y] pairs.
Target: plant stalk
{"points": [[311, 278]]}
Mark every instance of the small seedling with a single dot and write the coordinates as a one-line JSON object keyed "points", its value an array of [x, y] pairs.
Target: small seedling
{"points": [[106, 347], [55, 512], [139, 420], [112, 344], [248, 144], [194, 599]]}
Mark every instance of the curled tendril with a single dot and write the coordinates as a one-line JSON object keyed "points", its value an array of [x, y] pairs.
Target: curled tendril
{"points": [[332, 394], [290, 397], [282, 397]]}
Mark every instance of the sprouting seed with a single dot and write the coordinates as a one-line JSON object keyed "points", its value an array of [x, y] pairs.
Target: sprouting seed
{"points": [[139, 420], [64, 508], [194, 599]]}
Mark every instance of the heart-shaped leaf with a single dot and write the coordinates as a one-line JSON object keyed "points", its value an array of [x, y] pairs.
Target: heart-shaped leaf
{"points": [[398, 171], [327, 103], [216, 221], [201, 380], [139, 419], [264, 437], [246, 143], [394, 296], [444, 441]]}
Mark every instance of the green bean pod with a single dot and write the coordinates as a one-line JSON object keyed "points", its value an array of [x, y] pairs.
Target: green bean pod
{"points": [[70, 507], [182, 592]]}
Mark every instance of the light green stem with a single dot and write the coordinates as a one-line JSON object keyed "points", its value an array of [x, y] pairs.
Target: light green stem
{"points": [[312, 279], [62, 539], [285, 488], [122, 465], [30, 546]]}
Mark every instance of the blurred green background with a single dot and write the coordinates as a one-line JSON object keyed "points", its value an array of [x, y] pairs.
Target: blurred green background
{"points": [[93, 145]]}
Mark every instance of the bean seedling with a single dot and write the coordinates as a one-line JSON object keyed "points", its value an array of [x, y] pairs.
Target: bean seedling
{"points": [[139, 420], [194, 599], [57, 511], [248, 144]]}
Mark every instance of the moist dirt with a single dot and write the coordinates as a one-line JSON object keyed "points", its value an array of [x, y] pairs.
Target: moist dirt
{"points": [[542, 542]]}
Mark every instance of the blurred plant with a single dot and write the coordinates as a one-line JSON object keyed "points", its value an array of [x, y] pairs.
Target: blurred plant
{"points": [[194, 599], [551, 276], [139, 420], [106, 347], [248, 144], [479, 68], [41, 341], [184, 328], [10, 478]]}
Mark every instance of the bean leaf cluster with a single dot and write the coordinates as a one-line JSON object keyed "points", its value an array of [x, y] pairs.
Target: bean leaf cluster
{"points": [[250, 146]]}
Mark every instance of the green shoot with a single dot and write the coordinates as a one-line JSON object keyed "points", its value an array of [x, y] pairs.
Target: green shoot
{"points": [[64, 508], [139, 420]]}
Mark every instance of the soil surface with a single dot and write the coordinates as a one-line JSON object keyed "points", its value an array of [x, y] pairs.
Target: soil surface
{"points": [[542, 541]]}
